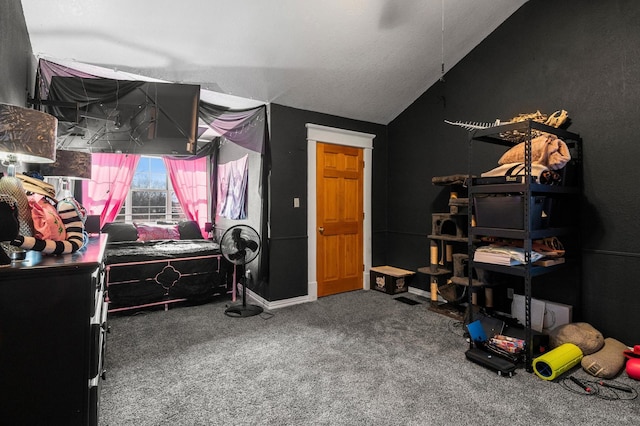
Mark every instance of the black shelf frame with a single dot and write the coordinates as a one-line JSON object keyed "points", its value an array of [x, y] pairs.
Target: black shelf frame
{"points": [[521, 270], [520, 234], [527, 188]]}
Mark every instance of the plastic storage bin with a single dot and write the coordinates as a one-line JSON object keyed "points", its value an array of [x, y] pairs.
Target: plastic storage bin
{"points": [[507, 211]]}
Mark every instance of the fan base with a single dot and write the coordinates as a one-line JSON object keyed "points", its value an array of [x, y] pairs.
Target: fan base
{"points": [[243, 311]]}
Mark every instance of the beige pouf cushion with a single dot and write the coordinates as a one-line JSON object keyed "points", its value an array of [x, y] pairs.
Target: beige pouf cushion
{"points": [[608, 361], [581, 334]]}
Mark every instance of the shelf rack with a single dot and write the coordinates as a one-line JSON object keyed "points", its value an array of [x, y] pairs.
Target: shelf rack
{"points": [[502, 135]]}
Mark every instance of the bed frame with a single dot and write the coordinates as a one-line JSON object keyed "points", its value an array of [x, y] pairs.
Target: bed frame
{"points": [[149, 281]]}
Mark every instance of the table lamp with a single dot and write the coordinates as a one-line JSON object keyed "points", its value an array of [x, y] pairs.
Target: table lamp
{"points": [[26, 135], [69, 165]]}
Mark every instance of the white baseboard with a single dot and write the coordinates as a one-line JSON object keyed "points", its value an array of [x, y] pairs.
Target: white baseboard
{"points": [[277, 303]]}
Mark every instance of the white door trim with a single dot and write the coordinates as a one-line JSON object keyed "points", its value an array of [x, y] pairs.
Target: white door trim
{"points": [[317, 133]]}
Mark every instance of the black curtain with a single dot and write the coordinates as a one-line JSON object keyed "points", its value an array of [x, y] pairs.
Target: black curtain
{"points": [[85, 92], [249, 129], [245, 127]]}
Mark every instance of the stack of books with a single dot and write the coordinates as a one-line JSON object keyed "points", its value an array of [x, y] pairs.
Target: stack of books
{"points": [[495, 258]]}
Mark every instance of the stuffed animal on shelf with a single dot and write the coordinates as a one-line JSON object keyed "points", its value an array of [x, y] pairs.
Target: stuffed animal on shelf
{"points": [[71, 214]]}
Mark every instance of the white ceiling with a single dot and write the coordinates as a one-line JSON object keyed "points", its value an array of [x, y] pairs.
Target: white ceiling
{"points": [[360, 59]]}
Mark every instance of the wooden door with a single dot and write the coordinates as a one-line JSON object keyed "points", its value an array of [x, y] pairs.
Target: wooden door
{"points": [[339, 218]]}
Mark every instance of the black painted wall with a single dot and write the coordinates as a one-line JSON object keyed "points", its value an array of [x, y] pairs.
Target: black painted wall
{"points": [[576, 55], [572, 54], [16, 61], [288, 267], [17, 65]]}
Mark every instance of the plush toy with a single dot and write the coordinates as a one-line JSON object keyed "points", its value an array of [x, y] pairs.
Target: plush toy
{"points": [[70, 212], [581, 334], [608, 361], [73, 216]]}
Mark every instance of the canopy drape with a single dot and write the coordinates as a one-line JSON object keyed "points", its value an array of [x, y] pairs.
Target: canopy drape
{"points": [[245, 127], [249, 129]]}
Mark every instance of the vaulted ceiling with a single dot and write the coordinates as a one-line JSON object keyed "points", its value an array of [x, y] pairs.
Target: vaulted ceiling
{"points": [[361, 59]]}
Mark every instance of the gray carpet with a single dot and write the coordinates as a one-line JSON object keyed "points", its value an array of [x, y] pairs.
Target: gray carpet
{"points": [[358, 358]]}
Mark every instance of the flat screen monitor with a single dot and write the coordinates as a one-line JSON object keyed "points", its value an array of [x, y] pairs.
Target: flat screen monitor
{"points": [[106, 115]]}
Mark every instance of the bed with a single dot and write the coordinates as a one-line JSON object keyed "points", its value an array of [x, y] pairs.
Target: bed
{"points": [[151, 265]]}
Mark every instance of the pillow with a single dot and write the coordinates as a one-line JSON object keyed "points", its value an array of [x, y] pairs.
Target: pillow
{"points": [[189, 230], [119, 231], [581, 334], [547, 150], [608, 361], [157, 232]]}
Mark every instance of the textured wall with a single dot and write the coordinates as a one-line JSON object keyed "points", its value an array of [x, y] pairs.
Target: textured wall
{"points": [[580, 56], [288, 272], [16, 61], [17, 68]]}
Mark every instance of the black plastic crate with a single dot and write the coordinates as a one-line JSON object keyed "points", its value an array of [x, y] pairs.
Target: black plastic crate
{"points": [[507, 211]]}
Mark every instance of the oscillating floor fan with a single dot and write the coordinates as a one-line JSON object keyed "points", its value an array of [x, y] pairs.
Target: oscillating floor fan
{"points": [[240, 244]]}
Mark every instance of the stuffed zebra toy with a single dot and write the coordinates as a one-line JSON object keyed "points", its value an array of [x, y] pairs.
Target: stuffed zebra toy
{"points": [[73, 216]]}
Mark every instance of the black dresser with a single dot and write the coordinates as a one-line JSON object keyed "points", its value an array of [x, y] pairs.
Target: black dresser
{"points": [[52, 337]]}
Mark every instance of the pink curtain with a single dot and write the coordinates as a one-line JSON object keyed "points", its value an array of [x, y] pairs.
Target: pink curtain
{"points": [[111, 176], [189, 180]]}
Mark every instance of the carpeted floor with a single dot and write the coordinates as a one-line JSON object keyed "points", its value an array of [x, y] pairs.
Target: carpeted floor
{"points": [[358, 358]]}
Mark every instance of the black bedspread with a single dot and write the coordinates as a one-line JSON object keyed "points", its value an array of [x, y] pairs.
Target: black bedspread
{"points": [[138, 251], [143, 272]]}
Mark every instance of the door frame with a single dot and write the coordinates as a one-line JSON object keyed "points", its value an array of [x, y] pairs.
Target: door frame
{"points": [[331, 135]]}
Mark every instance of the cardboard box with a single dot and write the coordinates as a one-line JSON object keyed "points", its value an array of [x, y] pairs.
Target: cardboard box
{"points": [[389, 279], [545, 315], [537, 311], [556, 314]]}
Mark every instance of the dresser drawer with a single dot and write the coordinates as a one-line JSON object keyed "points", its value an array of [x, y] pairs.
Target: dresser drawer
{"points": [[98, 327], [97, 284]]}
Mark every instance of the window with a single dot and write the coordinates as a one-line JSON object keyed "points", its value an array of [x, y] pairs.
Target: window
{"points": [[151, 197]]}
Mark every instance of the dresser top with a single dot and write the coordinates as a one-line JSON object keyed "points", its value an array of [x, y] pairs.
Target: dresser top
{"points": [[90, 256]]}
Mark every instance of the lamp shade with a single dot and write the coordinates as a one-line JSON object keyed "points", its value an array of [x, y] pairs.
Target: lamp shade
{"points": [[27, 134], [69, 164]]}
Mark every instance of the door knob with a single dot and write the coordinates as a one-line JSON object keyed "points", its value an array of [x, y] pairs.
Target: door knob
{"points": [[321, 229]]}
